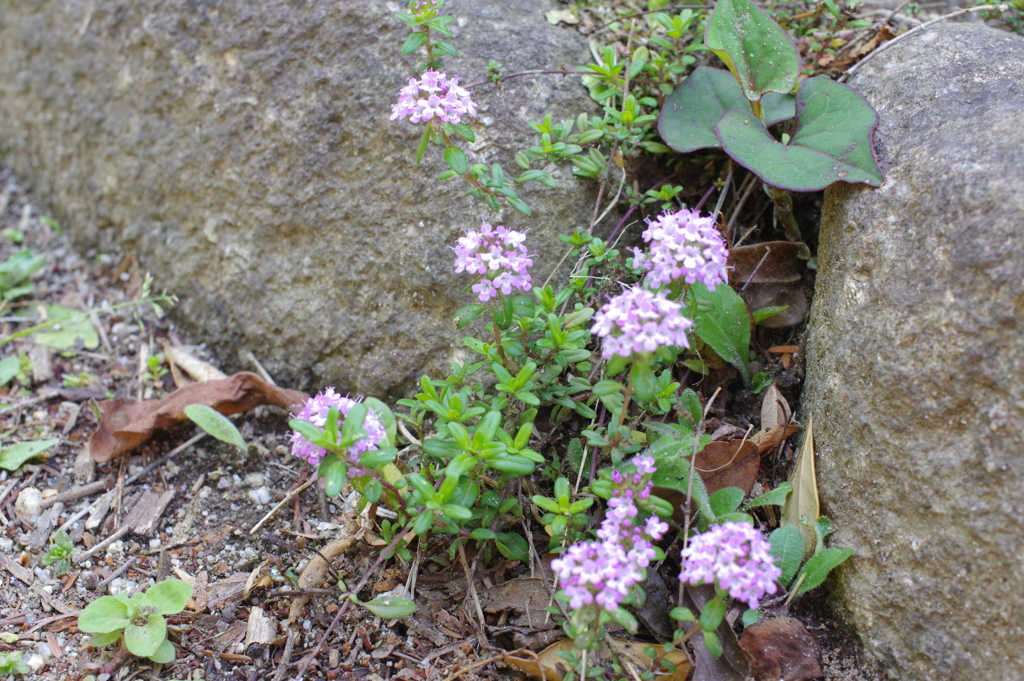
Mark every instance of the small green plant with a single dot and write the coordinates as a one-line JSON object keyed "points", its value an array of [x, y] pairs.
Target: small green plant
{"points": [[216, 424], [81, 380], [15, 235], [14, 273], [11, 663], [59, 555], [139, 620], [155, 370]]}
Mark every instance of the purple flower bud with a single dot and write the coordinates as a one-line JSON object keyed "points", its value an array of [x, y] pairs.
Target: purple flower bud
{"points": [[640, 321], [685, 247], [497, 253], [734, 556], [316, 410]]}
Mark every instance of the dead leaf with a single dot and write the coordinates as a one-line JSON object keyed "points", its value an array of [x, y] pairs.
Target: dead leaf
{"points": [[771, 262], [561, 16], [769, 439], [802, 503], [196, 368], [775, 410], [527, 596], [733, 665], [548, 666], [729, 464], [127, 424], [781, 649]]}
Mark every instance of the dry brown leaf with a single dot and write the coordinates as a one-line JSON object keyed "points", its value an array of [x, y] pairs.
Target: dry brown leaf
{"points": [[729, 464], [781, 649], [771, 262], [196, 368], [127, 424], [775, 410], [802, 503], [769, 439], [548, 666]]}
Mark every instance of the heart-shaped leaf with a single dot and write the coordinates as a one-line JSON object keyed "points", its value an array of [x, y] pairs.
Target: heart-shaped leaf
{"points": [[832, 141], [755, 48], [145, 640], [687, 121], [169, 596]]}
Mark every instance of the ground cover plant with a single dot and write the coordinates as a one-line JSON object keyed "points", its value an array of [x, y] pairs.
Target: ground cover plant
{"points": [[592, 438]]}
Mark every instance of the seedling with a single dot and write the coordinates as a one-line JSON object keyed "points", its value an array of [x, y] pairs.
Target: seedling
{"points": [[59, 555], [138, 620]]}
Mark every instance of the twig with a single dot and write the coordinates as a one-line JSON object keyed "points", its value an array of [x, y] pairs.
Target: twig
{"points": [[75, 493], [85, 555], [481, 663], [916, 29], [288, 497], [116, 573], [166, 457], [767, 250], [259, 367]]}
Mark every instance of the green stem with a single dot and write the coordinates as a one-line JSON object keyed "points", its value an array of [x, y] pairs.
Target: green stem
{"points": [[783, 201], [170, 300]]}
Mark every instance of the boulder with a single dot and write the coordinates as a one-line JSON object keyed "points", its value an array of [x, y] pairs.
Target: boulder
{"points": [[244, 151], [915, 362]]}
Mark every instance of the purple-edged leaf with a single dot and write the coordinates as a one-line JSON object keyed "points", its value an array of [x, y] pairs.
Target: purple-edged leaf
{"points": [[754, 47], [687, 121], [832, 141]]}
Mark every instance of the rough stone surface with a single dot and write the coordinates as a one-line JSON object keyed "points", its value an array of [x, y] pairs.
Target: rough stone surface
{"points": [[244, 151], [915, 362]]}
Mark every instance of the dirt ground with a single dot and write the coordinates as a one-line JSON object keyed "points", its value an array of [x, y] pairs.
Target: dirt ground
{"points": [[201, 504]]}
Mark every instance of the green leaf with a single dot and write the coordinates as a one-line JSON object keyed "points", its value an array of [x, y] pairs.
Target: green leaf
{"points": [[145, 640], [713, 643], [390, 607], [73, 325], [421, 148], [464, 131], [712, 614], [169, 596], [751, 617], [757, 50], [12, 457], [387, 418], [767, 312], [413, 42], [687, 121], [100, 640], [9, 368], [607, 387], [722, 321], [832, 141], [819, 565], [164, 654], [514, 464], [641, 375], [334, 473], [482, 534], [103, 616], [787, 550], [456, 160], [306, 429], [215, 424], [726, 500], [776, 497], [513, 546]]}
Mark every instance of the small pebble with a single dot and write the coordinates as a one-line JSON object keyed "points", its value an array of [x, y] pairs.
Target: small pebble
{"points": [[225, 483], [255, 480], [36, 662], [28, 503], [260, 495]]}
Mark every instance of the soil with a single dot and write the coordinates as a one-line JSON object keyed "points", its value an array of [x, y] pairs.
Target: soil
{"points": [[218, 494]]}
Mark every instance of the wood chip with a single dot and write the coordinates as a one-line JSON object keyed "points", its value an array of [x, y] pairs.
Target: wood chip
{"points": [[44, 526], [98, 510], [76, 493], [145, 515], [262, 630], [20, 573]]}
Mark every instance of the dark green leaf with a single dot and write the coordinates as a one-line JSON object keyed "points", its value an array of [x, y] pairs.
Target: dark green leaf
{"points": [[413, 42], [755, 48], [713, 643], [513, 546], [456, 160], [712, 614], [832, 141], [726, 500], [776, 497], [421, 148], [687, 121], [334, 475]]}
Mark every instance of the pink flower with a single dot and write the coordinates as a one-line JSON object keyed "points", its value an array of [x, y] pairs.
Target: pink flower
{"points": [[640, 321], [433, 96], [316, 410], [497, 253], [685, 247], [736, 558]]}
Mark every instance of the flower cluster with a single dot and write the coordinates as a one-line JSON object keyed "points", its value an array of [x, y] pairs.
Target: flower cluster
{"points": [[736, 558], [638, 320], [685, 247], [315, 411], [433, 96], [602, 572], [497, 253]]}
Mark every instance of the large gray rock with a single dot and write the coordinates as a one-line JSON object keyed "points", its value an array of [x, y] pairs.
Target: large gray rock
{"points": [[915, 362], [244, 150]]}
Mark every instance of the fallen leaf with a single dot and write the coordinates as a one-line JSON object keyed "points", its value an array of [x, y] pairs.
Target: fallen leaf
{"points": [[73, 326], [803, 501], [561, 16], [781, 649], [194, 367], [548, 666], [775, 410], [127, 424], [527, 596], [729, 464], [771, 262], [769, 439]]}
